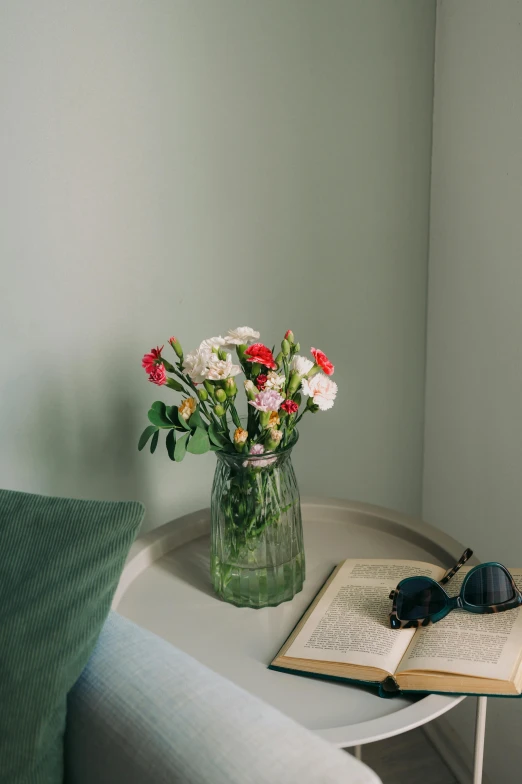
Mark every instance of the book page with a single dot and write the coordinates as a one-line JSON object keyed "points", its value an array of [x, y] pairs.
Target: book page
{"points": [[350, 623], [484, 646]]}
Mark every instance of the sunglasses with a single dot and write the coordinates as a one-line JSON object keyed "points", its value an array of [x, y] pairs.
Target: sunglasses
{"points": [[420, 601]]}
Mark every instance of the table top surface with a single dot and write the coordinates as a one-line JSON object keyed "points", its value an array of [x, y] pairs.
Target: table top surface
{"points": [[166, 588]]}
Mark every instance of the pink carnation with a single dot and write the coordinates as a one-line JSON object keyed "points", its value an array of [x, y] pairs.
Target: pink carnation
{"points": [[158, 375], [256, 450], [267, 400]]}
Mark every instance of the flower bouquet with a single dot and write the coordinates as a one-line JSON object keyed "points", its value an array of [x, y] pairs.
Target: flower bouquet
{"points": [[257, 555]]}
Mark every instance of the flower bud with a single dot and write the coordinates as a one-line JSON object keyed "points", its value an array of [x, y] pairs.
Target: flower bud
{"points": [[240, 435], [241, 351], [250, 389], [222, 354], [176, 345], [220, 395], [285, 347], [293, 384], [289, 336], [173, 384], [273, 439], [240, 439], [256, 369], [279, 358], [264, 418], [297, 348], [202, 394], [298, 398], [230, 387], [219, 410], [210, 389]]}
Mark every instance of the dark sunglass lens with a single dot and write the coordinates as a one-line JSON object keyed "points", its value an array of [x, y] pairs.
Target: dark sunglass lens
{"points": [[418, 598], [488, 585]]}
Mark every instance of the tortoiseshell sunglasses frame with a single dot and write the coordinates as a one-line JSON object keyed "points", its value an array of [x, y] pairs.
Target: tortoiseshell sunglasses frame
{"points": [[454, 602]]}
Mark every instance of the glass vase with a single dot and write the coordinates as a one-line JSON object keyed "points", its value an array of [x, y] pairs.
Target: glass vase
{"points": [[257, 554]]}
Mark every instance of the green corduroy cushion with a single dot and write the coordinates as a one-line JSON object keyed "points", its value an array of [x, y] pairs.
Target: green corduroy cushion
{"points": [[60, 562]]}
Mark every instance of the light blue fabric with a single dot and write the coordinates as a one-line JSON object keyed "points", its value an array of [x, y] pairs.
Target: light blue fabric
{"points": [[144, 712]]}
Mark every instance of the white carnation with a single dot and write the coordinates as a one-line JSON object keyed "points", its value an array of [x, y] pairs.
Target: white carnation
{"points": [[322, 389], [273, 381], [301, 365], [195, 364], [220, 369], [213, 343], [241, 336]]}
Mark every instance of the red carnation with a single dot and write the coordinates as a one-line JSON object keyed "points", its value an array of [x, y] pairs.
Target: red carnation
{"points": [[290, 406], [150, 361], [323, 361], [260, 353], [261, 381], [158, 375]]}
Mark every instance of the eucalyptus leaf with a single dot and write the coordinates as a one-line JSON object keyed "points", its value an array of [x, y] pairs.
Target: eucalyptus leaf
{"points": [[158, 416], [183, 422], [145, 436], [199, 443], [171, 443], [172, 414], [158, 405], [215, 436], [196, 420], [180, 448], [154, 442]]}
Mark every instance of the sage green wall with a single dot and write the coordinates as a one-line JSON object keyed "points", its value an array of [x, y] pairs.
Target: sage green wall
{"points": [[186, 166], [473, 457]]}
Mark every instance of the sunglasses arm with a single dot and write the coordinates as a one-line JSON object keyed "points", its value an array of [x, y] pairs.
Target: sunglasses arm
{"points": [[466, 555]]}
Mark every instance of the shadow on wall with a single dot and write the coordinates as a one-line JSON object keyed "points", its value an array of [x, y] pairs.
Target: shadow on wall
{"points": [[83, 435]]}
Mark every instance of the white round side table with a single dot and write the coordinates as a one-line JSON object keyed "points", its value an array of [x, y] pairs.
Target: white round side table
{"points": [[166, 588]]}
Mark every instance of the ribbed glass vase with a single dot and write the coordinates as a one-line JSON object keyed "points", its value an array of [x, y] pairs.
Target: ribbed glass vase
{"points": [[257, 554]]}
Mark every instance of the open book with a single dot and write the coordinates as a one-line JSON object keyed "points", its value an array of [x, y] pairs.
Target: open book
{"points": [[346, 634]]}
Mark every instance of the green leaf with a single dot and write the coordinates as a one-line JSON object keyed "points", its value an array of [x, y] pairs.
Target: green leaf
{"points": [[154, 442], [158, 415], [173, 384], [196, 420], [215, 436], [214, 448], [171, 443], [235, 417], [184, 424], [199, 443], [145, 436], [180, 448], [172, 415]]}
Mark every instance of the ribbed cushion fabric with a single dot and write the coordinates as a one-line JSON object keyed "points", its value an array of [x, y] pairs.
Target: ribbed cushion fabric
{"points": [[60, 562]]}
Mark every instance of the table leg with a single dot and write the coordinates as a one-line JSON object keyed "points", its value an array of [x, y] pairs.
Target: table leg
{"points": [[357, 751], [480, 732]]}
